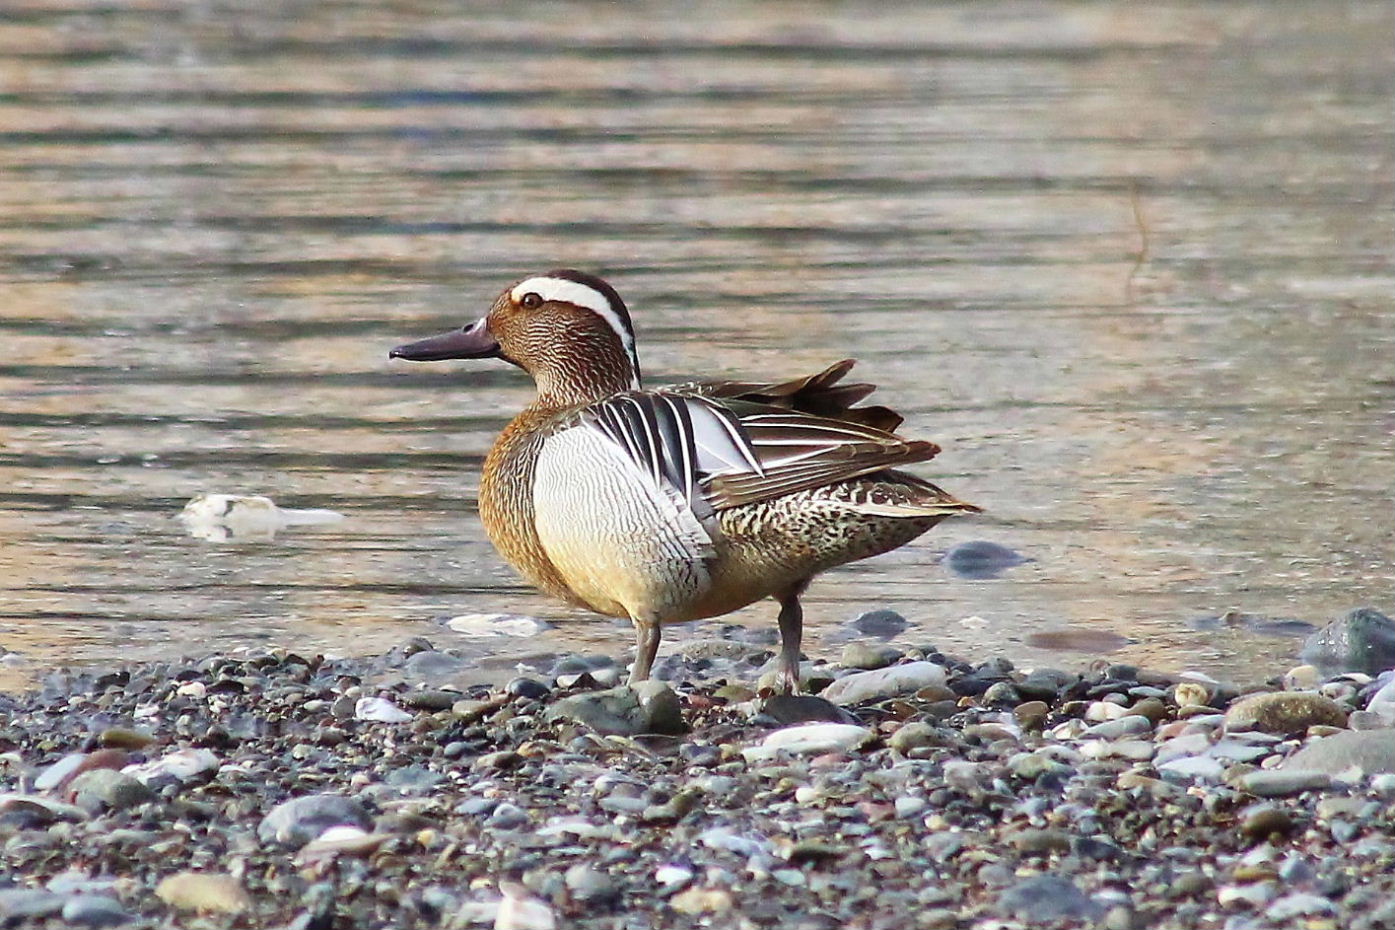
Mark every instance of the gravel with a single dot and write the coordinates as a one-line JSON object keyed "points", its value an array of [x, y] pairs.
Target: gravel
{"points": [[276, 790]]}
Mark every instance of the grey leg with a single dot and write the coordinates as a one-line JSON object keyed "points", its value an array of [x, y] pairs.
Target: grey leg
{"points": [[646, 648], [791, 635]]}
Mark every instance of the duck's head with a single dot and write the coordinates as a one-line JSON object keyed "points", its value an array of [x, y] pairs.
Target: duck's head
{"points": [[568, 329]]}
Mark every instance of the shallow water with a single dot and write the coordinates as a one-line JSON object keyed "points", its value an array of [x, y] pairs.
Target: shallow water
{"points": [[1134, 273]]}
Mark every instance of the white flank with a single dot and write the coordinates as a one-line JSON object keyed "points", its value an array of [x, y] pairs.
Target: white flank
{"points": [[583, 295]]}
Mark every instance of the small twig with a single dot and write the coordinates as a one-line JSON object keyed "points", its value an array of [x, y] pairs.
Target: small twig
{"points": [[1141, 224]]}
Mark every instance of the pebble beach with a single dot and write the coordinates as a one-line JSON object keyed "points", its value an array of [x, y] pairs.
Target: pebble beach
{"points": [[912, 789]]}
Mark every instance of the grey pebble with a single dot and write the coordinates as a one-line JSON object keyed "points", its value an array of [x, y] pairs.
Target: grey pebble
{"points": [[107, 789], [20, 905], [89, 910], [1045, 898], [1369, 751], [298, 821], [1277, 782]]}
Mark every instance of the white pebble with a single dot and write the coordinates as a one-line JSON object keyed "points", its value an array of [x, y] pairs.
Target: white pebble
{"points": [[380, 710], [1100, 711], [809, 738]]}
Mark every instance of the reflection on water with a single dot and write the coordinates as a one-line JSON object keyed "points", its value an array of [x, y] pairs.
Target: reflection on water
{"points": [[217, 221]]}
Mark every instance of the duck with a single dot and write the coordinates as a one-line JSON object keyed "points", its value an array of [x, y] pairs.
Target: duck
{"points": [[671, 504]]}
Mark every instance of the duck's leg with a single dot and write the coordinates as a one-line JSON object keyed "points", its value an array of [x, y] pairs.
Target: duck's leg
{"points": [[646, 648], [791, 635]]}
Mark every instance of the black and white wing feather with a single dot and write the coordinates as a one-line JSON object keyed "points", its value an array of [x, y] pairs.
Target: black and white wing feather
{"points": [[718, 454]]}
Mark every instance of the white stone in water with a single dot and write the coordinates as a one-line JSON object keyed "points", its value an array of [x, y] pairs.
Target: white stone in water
{"points": [[379, 710], [807, 794], [182, 764], [884, 682], [809, 738], [495, 626], [245, 517]]}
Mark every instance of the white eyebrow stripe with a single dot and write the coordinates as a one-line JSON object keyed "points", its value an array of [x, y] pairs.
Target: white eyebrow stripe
{"points": [[582, 295]]}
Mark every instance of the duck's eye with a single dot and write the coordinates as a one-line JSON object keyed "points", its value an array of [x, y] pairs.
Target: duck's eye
{"points": [[531, 301]]}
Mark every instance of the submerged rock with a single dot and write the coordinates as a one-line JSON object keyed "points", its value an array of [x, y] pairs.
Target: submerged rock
{"points": [[1361, 641], [981, 559]]}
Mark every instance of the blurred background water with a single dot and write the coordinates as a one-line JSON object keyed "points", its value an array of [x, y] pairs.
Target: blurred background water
{"points": [[1131, 266]]}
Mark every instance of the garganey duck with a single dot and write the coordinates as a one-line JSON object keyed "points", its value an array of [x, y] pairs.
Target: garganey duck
{"points": [[677, 503]]}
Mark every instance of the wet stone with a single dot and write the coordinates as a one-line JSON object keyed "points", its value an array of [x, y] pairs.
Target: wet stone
{"points": [[1361, 641], [981, 559], [525, 687], [883, 624]]}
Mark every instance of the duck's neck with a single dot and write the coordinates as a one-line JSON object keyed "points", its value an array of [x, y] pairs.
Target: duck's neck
{"points": [[583, 374]]}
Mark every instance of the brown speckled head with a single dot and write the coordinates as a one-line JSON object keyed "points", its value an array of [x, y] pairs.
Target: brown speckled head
{"points": [[569, 330]]}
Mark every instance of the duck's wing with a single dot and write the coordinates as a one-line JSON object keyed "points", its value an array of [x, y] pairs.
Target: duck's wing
{"points": [[798, 451], [820, 394], [719, 454], [676, 440]]}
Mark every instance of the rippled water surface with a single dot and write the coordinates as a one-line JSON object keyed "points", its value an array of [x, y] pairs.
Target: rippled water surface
{"points": [[1132, 270]]}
